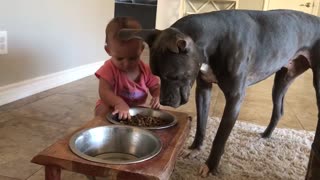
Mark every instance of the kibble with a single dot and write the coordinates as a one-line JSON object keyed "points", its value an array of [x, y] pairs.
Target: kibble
{"points": [[145, 121]]}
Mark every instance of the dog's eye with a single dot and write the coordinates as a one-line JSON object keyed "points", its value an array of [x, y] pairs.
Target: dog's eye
{"points": [[173, 78]]}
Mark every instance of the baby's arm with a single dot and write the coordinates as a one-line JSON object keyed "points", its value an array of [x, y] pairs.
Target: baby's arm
{"points": [[111, 99], [155, 93]]}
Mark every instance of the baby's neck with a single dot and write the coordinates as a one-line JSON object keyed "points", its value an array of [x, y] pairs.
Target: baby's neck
{"points": [[134, 75]]}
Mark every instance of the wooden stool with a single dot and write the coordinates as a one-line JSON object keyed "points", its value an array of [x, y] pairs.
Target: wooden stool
{"points": [[58, 156]]}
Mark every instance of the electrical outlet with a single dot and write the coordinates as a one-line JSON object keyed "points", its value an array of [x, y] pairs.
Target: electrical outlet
{"points": [[3, 42]]}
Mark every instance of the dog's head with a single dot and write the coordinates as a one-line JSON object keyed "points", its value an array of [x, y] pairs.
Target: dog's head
{"points": [[174, 57]]}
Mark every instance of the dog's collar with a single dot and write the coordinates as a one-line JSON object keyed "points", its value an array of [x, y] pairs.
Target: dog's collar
{"points": [[207, 74], [204, 67]]}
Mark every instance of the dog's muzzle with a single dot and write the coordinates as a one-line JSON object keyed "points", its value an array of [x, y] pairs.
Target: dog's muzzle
{"points": [[174, 97]]}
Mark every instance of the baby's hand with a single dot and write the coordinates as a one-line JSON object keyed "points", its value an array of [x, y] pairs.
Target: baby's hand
{"points": [[122, 109], [154, 103]]}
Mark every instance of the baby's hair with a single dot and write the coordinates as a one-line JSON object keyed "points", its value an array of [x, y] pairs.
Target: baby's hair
{"points": [[118, 23]]}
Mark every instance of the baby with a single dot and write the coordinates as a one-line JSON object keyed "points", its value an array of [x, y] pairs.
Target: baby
{"points": [[124, 80]]}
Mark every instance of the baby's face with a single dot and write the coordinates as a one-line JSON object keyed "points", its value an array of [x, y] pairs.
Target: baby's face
{"points": [[126, 55]]}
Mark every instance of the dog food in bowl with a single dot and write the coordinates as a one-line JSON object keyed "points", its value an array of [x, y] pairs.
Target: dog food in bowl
{"points": [[146, 118], [145, 121]]}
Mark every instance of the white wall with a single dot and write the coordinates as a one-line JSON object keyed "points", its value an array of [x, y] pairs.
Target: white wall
{"points": [[48, 36], [167, 13], [251, 4]]}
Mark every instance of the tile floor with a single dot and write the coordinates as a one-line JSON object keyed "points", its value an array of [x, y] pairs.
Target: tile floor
{"points": [[29, 125]]}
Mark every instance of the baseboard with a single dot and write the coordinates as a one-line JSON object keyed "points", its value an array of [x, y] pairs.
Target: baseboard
{"points": [[16, 91]]}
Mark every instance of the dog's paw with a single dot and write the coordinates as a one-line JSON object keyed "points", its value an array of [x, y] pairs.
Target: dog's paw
{"points": [[265, 135], [204, 171], [189, 153]]}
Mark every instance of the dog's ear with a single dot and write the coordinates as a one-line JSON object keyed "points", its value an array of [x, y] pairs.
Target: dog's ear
{"points": [[182, 45], [179, 46], [147, 35]]}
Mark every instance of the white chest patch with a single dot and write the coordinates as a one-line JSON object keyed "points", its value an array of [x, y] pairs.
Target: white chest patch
{"points": [[207, 74]]}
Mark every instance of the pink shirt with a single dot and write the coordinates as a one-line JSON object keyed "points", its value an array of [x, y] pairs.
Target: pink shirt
{"points": [[133, 93]]}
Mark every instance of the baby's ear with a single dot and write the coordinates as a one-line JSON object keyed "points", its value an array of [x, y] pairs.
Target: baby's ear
{"points": [[107, 49]]}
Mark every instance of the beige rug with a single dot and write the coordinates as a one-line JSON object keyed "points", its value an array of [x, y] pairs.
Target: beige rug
{"points": [[248, 156]]}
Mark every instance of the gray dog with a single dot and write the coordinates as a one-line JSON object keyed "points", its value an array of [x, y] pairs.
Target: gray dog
{"points": [[234, 49]]}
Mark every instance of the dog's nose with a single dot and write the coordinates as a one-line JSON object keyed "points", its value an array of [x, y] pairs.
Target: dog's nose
{"points": [[169, 103], [164, 102], [183, 101]]}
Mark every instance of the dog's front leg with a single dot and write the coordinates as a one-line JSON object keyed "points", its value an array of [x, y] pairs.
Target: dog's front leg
{"points": [[234, 92], [203, 99]]}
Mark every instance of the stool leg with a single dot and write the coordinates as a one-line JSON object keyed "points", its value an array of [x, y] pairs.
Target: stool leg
{"points": [[52, 173]]}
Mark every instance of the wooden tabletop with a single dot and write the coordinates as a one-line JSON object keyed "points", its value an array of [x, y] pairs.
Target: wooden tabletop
{"points": [[160, 167]]}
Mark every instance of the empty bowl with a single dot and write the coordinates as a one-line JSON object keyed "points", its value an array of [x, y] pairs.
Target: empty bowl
{"points": [[115, 144]]}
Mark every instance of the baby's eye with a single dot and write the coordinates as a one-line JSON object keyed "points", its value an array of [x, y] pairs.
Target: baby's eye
{"points": [[134, 58], [119, 59]]}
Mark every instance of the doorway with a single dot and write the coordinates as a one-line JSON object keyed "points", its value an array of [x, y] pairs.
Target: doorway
{"points": [[307, 6], [143, 10]]}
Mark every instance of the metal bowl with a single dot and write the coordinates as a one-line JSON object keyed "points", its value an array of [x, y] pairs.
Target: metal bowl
{"points": [[172, 120], [115, 144]]}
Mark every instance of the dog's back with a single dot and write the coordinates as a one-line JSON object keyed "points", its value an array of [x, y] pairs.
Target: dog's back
{"points": [[246, 17], [268, 38]]}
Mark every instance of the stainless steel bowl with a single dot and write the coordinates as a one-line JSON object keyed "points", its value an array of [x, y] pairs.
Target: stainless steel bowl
{"points": [[172, 120], [115, 144]]}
